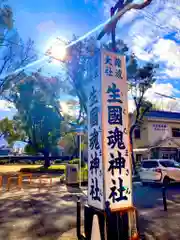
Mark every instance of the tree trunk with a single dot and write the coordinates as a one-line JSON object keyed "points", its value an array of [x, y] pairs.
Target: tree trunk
{"points": [[132, 152], [46, 160]]}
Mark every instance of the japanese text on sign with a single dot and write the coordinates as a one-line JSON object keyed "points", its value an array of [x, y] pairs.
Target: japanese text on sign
{"points": [[115, 113], [108, 158], [95, 176]]}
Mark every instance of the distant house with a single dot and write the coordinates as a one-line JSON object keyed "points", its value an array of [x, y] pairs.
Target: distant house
{"points": [[158, 136]]}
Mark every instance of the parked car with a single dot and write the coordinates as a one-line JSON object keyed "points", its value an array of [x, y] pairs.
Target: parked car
{"points": [[162, 171]]}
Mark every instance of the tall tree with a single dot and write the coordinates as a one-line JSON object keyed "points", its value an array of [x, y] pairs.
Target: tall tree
{"points": [[39, 118], [14, 53], [140, 80]]}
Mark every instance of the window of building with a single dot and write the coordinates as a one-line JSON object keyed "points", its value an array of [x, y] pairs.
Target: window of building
{"points": [[137, 133], [176, 132]]}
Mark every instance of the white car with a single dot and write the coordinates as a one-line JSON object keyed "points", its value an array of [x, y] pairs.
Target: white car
{"points": [[159, 171]]}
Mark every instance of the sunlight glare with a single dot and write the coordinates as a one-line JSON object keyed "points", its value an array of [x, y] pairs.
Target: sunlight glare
{"points": [[58, 51], [64, 107]]}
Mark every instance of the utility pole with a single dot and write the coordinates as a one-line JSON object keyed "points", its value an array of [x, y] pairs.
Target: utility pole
{"points": [[117, 12], [113, 33]]}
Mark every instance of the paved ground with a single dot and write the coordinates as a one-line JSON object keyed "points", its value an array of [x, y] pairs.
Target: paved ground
{"points": [[47, 214], [154, 223], [34, 214]]}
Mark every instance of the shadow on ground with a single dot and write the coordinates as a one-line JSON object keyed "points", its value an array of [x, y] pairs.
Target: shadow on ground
{"points": [[154, 222], [46, 214], [37, 215]]}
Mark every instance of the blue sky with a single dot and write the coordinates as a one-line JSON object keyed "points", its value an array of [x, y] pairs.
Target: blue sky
{"points": [[43, 18], [152, 34]]}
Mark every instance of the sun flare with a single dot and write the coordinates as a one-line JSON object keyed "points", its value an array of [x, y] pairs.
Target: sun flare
{"points": [[57, 49]]}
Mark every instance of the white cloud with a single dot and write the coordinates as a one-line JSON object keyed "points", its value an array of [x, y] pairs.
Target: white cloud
{"points": [[5, 106], [162, 103], [173, 73], [169, 51], [163, 88], [131, 105], [146, 32]]}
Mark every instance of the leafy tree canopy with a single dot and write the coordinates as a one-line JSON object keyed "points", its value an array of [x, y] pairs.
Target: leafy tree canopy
{"points": [[10, 131], [39, 118]]}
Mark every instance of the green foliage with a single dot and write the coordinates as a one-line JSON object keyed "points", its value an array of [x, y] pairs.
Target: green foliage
{"points": [[40, 120], [140, 81], [69, 138], [58, 161], [52, 169], [9, 131], [29, 149], [76, 161]]}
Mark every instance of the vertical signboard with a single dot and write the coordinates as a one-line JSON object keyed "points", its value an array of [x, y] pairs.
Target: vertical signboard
{"points": [[117, 166], [95, 167], [109, 166]]}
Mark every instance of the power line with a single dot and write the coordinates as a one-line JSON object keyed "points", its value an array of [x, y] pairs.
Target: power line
{"points": [[164, 95], [45, 57]]}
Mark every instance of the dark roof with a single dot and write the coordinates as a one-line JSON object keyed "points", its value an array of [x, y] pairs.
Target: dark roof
{"points": [[163, 114]]}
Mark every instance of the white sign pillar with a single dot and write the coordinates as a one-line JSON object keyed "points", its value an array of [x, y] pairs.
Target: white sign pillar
{"points": [[109, 165]]}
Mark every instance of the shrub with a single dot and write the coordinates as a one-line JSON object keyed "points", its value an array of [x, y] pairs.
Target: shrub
{"points": [[42, 170], [76, 161], [58, 161]]}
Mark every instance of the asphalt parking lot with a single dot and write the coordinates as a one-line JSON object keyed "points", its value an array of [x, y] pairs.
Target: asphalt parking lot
{"points": [[151, 195]]}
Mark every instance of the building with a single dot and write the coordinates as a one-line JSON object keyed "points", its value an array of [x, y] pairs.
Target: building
{"points": [[5, 151], [158, 136]]}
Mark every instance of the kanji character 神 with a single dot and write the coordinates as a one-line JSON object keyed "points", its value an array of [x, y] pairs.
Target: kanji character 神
{"points": [[116, 163], [94, 163]]}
